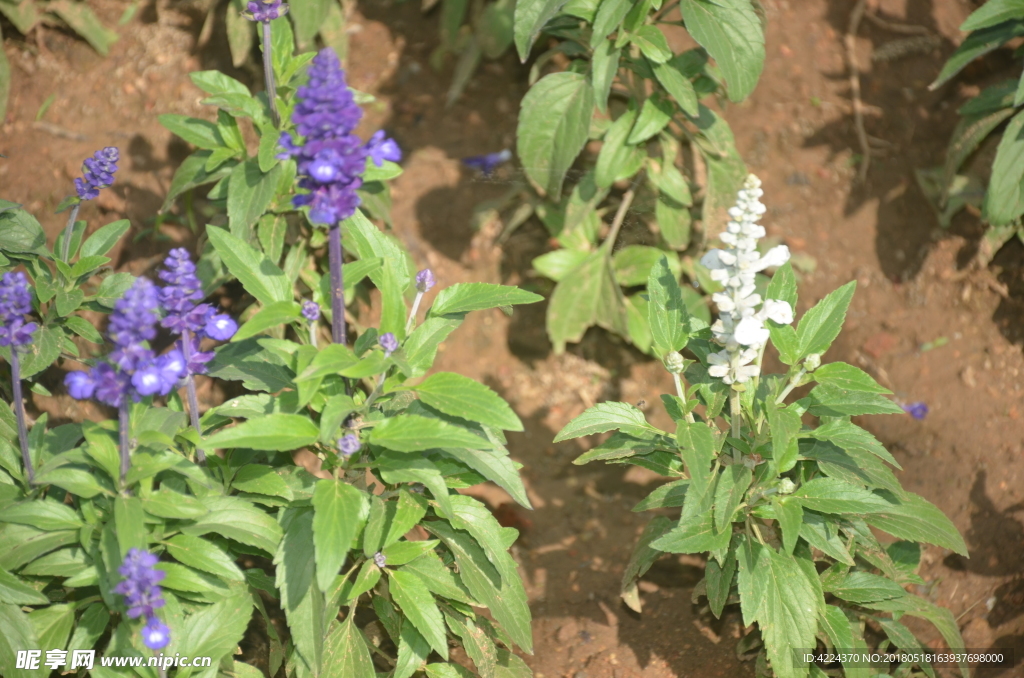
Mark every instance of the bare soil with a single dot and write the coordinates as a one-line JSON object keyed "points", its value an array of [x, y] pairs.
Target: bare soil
{"points": [[796, 132]]}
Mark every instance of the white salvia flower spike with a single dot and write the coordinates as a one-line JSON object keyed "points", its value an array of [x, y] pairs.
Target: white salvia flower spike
{"points": [[740, 328]]}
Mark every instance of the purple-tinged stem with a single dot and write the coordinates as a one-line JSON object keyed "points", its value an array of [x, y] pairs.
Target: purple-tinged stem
{"points": [[19, 413], [336, 256], [268, 74], [68, 230], [190, 388], [122, 421]]}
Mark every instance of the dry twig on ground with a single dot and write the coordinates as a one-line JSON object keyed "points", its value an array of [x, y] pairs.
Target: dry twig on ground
{"points": [[850, 40]]}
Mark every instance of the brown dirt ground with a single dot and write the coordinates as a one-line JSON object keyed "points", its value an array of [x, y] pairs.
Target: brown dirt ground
{"points": [[796, 132]]}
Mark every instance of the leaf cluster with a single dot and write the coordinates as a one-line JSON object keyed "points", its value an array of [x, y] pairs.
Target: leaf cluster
{"points": [[785, 511]]}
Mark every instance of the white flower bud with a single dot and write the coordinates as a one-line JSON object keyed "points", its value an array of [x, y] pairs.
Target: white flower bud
{"points": [[674, 362], [786, 486], [812, 362]]}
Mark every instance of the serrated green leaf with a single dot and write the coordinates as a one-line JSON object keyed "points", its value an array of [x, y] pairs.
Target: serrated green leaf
{"points": [[607, 417], [831, 495], [105, 238], [199, 133], [618, 159], [530, 17], [412, 433], [82, 20], [827, 400], [864, 587], [203, 555], [917, 519], [820, 326], [237, 519], [16, 592], [1004, 199], [466, 297], [259, 276], [553, 123], [280, 432], [463, 397], [250, 192], [678, 85], [731, 32], [272, 315], [977, 44], [340, 511], [641, 559], [418, 605]]}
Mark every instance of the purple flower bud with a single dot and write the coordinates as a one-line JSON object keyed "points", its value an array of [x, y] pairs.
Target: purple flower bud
{"points": [[425, 280], [486, 164], [388, 342], [311, 311], [379, 559], [98, 173], [155, 634], [916, 410], [221, 327], [379, 149], [80, 385], [349, 444], [265, 10]]}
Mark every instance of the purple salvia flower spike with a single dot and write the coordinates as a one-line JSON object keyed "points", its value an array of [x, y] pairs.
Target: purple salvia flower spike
{"points": [[311, 311], [487, 163], [379, 148], [155, 634], [388, 342], [425, 280], [15, 304], [97, 174]]}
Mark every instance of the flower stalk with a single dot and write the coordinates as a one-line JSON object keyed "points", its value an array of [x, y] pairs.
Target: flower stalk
{"points": [[15, 304], [123, 440], [19, 414], [268, 74], [336, 255], [65, 251], [190, 390]]}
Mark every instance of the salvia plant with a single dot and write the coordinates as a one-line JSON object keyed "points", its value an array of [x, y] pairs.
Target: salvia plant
{"points": [[951, 187], [664, 156], [163, 531], [783, 510]]}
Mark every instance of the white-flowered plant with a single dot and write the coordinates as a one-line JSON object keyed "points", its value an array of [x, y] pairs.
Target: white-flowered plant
{"points": [[741, 324], [784, 512]]}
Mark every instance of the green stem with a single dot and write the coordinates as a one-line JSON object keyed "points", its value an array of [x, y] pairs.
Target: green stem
{"points": [[193, 401], [735, 420], [620, 216], [19, 413], [68, 231], [412, 314], [268, 74], [794, 380], [681, 392]]}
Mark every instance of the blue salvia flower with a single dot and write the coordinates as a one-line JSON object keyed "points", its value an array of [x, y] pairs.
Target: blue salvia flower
{"points": [[489, 162], [425, 280], [349, 444], [916, 410], [183, 315], [379, 148], [379, 559], [15, 304], [132, 370], [98, 173], [265, 10], [142, 595]]}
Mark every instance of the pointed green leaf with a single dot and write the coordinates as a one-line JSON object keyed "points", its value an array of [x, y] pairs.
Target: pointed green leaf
{"points": [[418, 605], [280, 432], [463, 397], [340, 511]]}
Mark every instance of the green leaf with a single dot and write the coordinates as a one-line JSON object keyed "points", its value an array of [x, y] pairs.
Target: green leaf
{"points": [[259, 276], [732, 486], [83, 20], [463, 397], [917, 519], [301, 600], [852, 438], [466, 297], [272, 315], [478, 645], [576, 301], [731, 32], [553, 124], [25, 544], [790, 516], [280, 432], [678, 85], [104, 239], [340, 511], [718, 582], [192, 172], [977, 44], [392, 279], [695, 534], [845, 634], [827, 400], [864, 587], [697, 447], [43, 514], [345, 651], [257, 368], [16, 634], [669, 495], [785, 601], [941, 617], [17, 592], [216, 630], [618, 159], [667, 313], [848, 377], [438, 578], [130, 525], [1004, 199], [559, 263], [820, 326], [413, 433], [822, 534], [60, 563], [530, 17], [641, 559], [237, 519], [262, 480], [652, 43], [199, 133], [607, 417], [831, 495], [21, 233], [203, 555], [654, 116], [84, 329], [993, 12], [69, 302], [91, 626], [494, 466], [216, 82], [421, 346], [250, 192], [113, 288], [604, 65], [78, 481], [496, 585], [610, 14], [307, 18], [418, 605]]}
